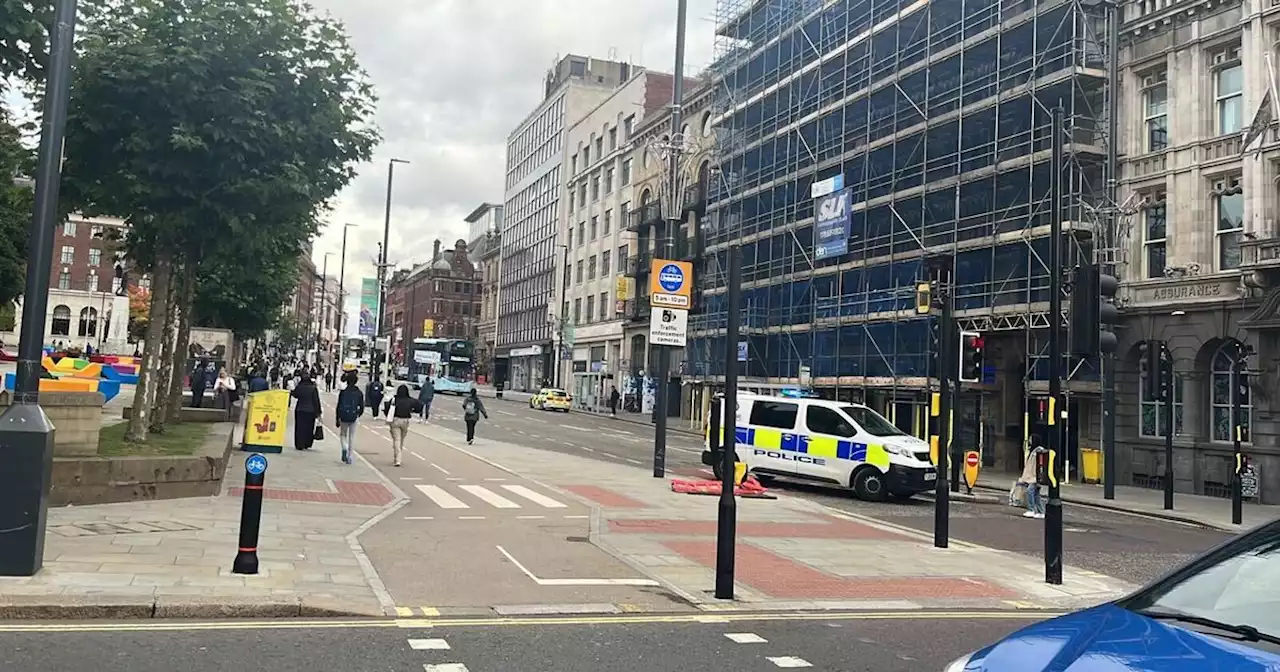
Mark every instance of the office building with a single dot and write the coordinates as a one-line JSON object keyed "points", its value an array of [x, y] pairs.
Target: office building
{"points": [[484, 244]]}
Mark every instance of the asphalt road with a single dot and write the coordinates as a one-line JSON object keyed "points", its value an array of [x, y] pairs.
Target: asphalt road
{"points": [[1132, 548], [849, 643]]}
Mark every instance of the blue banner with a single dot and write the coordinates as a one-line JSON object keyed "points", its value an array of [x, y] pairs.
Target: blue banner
{"points": [[831, 225]]}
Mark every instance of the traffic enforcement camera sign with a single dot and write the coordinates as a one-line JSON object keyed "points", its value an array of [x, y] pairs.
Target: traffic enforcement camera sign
{"points": [[670, 284], [669, 326]]}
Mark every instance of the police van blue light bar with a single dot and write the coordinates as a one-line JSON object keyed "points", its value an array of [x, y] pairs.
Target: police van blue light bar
{"points": [[797, 393]]}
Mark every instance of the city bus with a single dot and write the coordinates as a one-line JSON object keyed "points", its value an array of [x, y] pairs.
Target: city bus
{"points": [[355, 350], [448, 362]]}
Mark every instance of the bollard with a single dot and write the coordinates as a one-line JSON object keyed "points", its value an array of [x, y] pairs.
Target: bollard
{"points": [[727, 512], [255, 470]]}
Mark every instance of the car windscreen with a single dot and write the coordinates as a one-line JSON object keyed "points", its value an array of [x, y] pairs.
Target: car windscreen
{"points": [[871, 422]]}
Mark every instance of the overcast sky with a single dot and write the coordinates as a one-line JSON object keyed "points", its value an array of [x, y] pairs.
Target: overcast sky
{"points": [[454, 77]]}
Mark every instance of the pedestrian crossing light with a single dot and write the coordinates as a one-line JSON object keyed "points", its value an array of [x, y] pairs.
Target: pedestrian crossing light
{"points": [[971, 355]]}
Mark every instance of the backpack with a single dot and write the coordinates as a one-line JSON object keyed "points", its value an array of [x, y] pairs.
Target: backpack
{"points": [[348, 407], [469, 407]]}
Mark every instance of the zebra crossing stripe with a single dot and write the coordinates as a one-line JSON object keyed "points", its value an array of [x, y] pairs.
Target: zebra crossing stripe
{"points": [[490, 497], [534, 496], [442, 498]]}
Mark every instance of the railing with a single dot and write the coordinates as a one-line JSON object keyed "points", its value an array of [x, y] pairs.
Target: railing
{"points": [[1260, 253], [643, 216]]}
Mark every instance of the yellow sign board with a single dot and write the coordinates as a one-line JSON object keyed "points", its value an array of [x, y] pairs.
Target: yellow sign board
{"points": [[972, 462], [671, 283], [428, 327], [266, 416]]}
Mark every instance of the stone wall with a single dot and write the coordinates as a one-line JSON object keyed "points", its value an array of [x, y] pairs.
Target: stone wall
{"points": [[77, 417]]}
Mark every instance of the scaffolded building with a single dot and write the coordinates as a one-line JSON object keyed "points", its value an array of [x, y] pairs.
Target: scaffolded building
{"points": [[936, 115]]}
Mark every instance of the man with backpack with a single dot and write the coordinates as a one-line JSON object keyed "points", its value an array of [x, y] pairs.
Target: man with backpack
{"points": [[350, 408], [472, 409], [373, 395]]}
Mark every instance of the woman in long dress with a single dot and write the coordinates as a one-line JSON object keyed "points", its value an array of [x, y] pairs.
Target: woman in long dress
{"points": [[305, 412]]}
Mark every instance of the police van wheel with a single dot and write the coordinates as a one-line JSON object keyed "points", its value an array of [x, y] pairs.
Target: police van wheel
{"points": [[868, 484], [717, 471]]}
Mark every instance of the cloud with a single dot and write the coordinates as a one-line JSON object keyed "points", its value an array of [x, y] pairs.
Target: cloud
{"points": [[454, 77]]}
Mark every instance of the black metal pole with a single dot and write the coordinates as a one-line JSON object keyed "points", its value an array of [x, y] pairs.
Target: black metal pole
{"points": [[382, 272], [1237, 431], [726, 527], [342, 307], [1166, 370], [246, 561], [947, 366], [26, 435], [1053, 507], [323, 312], [1107, 360]]}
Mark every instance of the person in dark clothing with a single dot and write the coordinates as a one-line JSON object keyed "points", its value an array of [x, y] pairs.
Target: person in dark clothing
{"points": [[258, 382], [613, 401], [400, 410], [350, 408], [373, 395], [472, 409], [425, 396], [198, 384], [275, 375], [328, 381], [306, 412]]}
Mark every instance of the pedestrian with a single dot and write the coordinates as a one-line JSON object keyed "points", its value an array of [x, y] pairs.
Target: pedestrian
{"points": [[1028, 480], [373, 395], [350, 408], [225, 389], [306, 412], [472, 409], [258, 382], [613, 401], [425, 396], [275, 375], [328, 381], [198, 385], [399, 411]]}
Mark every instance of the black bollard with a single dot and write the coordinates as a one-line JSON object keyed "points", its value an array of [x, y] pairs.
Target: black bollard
{"points": [[255, 474]]}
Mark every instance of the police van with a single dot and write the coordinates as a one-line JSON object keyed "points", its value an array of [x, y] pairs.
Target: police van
{"points": [[830, 442]]}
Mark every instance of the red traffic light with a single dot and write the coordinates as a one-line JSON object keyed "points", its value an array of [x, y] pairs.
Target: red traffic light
{"points": [[976, 342]]}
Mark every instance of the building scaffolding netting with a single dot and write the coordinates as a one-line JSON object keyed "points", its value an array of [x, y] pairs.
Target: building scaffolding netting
{"points": [[937, 116]]}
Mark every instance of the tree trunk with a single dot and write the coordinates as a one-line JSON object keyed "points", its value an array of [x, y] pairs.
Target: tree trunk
{"points": [[181, 344], [143, 395], [160, 410]]}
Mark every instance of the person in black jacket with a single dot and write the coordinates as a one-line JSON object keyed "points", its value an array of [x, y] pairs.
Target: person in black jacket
{"points": [[373, 395], [401, 409], [305, 412]]}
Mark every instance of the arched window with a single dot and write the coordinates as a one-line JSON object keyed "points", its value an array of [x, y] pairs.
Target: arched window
{"points": [[1220, 387], [706, 123], [61, 323], [88, 322], [1153, 420]]}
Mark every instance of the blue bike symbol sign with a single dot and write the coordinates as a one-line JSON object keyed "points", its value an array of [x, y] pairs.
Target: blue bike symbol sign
{"points": [[255, 464], [671, 284], [671, 278]]}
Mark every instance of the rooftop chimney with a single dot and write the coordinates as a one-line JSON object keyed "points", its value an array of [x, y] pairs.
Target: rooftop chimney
{"points": [[435, 250]]}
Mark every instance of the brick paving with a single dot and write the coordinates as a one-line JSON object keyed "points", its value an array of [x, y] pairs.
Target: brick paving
{"points": [[348, 492], [605, 497], [835, 529]]}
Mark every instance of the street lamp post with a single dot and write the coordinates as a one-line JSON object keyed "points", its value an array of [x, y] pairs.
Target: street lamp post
{"points": [[562, 323], [342, 308], [26, 435], [382, 266], [323, 312]]}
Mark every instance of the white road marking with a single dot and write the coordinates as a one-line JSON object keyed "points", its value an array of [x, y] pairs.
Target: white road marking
{"points": [[789, 661], [442, 499], [418, 456], [745, 638], [470, 517], [623, 431], [428, 645], [453, 478], [495, 480], [490, 496], [589, 450], [633, 461], [534, 496], [333, 488], [575, 582], [419, 517], [445, 667], [411, 478], [577, 428], [505, 412], [440, 469], [531, 517], [577, 516]]}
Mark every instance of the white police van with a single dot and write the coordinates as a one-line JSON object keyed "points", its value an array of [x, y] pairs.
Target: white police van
{"points": [[830, 442]]}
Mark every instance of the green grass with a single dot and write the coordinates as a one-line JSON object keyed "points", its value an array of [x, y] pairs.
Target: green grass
{"points": [[178, 439]]}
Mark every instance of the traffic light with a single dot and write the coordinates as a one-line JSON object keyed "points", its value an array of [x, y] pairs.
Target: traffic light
{"points": [[1093, 311], [971, 353], [1151, 364]]}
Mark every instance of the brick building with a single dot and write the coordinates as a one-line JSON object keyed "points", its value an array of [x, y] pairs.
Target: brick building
{"points": [[439, 298]]}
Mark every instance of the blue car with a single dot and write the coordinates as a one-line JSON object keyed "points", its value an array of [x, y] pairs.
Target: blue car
{"points": [[1221, 611]]}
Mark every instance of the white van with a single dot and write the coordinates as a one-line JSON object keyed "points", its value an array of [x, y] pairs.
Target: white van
{"points": [[829, 442]]}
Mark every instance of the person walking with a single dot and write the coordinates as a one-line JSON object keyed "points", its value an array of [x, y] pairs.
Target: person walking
{"points": [[425, 396], [373, 395], [350, 408], [198, 385], [306, 412], [613, 401], [472, 409], [1028, 480], [328, 381], [400, 411]]}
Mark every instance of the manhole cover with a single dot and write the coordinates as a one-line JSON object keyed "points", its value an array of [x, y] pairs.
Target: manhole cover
{"points": [[97, 529]]}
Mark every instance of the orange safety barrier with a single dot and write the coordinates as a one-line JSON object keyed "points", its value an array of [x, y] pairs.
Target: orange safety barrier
{"points": [[749, 488]]}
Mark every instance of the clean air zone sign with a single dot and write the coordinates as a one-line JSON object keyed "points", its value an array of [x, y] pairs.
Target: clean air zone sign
{"points": [[670, 283], [832, 217]]}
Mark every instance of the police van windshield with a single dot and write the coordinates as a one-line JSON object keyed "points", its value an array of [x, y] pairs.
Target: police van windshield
{"points": [[871, 422]]}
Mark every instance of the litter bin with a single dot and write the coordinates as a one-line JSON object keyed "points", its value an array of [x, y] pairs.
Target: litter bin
{"points": [[1090, 465]]}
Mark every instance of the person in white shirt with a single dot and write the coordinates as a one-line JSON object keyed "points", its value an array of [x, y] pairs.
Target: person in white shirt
{"points": [[225, 388]]}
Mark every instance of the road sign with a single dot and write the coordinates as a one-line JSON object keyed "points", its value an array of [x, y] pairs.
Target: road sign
{"points": [[670, 283], [669, 326], [971, 463], [256, 464]]}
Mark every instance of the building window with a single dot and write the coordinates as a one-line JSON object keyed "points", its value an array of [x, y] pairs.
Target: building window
{"points": [[582, 194], [116, 282], [608, 180], [61, 323], [608, 223], [570, 200], [582, 232], [599, 148], [1220, 394], [591, 268], [604, 264], [595, 227], [604, 303], [1155, 111], [622, 258], [624, 178], [591, 308], [95, 257], [64, 280], [628, 125], [96, 231], [88, 322], [69, 229], [577, 68], [68, 254], [1153, 419], [595, 188], [573, 165], [93, 280], [586, 157], [613, 138], [1156, 222], [578, 272], [1228, 91], [1229, 206], [570, 242], [577, 311]]}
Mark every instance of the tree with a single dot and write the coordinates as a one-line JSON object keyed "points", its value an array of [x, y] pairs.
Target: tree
{"points": [[16, 202], [289, 330], [139, 311], [202, 122]]}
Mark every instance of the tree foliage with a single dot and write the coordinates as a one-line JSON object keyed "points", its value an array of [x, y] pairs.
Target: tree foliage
{"points": [[15, 211], [247, 300]]}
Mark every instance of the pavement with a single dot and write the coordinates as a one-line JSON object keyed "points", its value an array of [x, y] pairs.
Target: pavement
{"points": [[749, 643]]}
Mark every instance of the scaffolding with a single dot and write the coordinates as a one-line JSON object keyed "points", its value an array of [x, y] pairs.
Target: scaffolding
{"points": [[937, 115]]}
